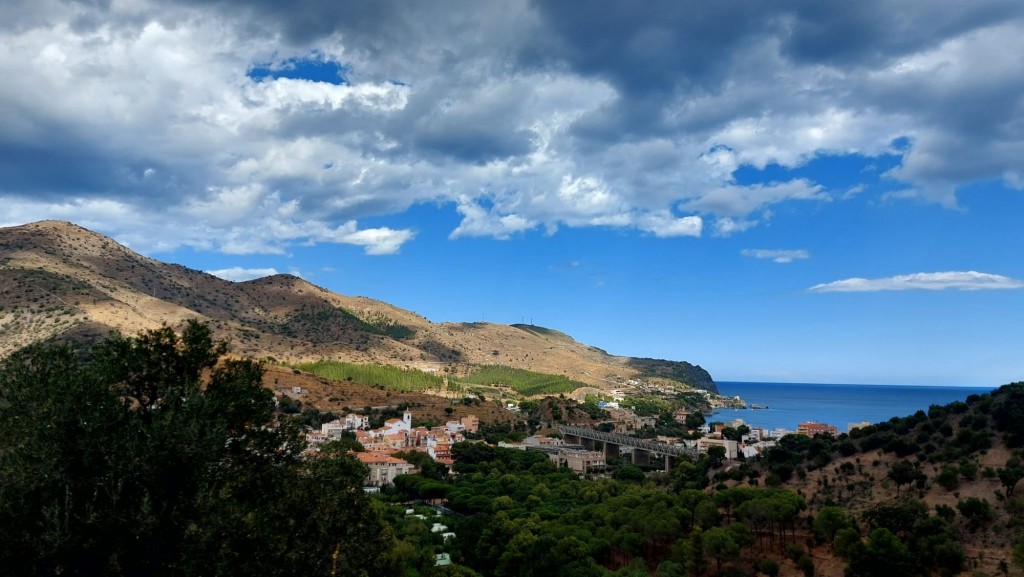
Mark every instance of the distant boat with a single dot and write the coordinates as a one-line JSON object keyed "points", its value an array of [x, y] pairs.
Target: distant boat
{"points": [[756, 406]]}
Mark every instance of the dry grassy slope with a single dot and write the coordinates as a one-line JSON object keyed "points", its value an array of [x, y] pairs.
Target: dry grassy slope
{"points": [[337, 396], [867, 486], [62, 281]]}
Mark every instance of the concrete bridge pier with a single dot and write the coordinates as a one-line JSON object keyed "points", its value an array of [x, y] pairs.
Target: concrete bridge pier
{"points": [[669, 460], [611, 450], [641, 457]]}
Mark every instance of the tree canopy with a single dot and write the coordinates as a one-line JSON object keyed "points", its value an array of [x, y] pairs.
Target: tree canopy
{"points": [[154, 455]]}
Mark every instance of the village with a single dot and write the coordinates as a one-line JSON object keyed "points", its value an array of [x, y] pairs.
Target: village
{"points": [[736, 439]]}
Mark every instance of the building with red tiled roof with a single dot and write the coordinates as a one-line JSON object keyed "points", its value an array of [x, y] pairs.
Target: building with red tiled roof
{"points": [[384, 468]]}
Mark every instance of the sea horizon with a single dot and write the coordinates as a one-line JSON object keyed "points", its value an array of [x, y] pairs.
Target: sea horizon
{"points": [[837, 404], [958, 386]]}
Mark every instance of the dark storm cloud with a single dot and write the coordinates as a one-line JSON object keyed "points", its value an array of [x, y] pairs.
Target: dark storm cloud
{"points": [[875, 31], [473, 143], [660, 54], [647, 47], [518, 114], [64, 162], [308, 20], [665, 45]]}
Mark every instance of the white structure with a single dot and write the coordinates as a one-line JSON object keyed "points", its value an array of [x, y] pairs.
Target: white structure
{"points": [[749, 451], [731, 447], [396, 426], [354, 421], [333, 429]]}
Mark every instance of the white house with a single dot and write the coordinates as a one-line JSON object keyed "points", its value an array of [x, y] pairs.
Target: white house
{"points": [[395, 426], [354, 421]]}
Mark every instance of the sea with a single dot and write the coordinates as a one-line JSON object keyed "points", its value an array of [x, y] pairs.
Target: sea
{"points": [[840, 405]]}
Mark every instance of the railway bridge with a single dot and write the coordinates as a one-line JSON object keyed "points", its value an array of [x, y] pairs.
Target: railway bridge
{"points": [[640, 449]]}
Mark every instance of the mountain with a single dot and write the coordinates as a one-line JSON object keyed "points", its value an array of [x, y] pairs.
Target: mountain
{"points": [[63, 282]]}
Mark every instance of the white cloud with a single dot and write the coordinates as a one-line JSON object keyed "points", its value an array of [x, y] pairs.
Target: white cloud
{"points": [[239, 274], [969, 280], [739, 201], [588, 196], [284, 94], [528, 113], [1014, 179], [378, 241], [665, 225], [727, 226], [478, 221], [781, 256]]}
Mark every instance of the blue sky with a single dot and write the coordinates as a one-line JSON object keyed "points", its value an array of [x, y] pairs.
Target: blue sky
{"points": [[794, 191]]}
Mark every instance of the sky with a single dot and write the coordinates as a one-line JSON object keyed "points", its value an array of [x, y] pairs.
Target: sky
{"points": [[795, 191]]}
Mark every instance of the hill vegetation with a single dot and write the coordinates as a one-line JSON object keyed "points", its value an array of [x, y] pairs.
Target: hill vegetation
{"points": [[153, 456], [883, 501], [383, 376], [680, 371], [62, 282], [527, 383], [157, 455]]}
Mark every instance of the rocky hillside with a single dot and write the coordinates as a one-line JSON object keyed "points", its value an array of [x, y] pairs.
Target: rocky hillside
{"points": [[61, 281]]}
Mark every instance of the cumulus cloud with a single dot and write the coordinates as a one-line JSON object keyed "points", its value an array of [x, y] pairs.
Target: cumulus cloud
{"points": [[966, 281], [738, 201], [780, 256], [378, 241], [518, 116], [478, 221], [665, 225], [727, 226], [239, 274]]}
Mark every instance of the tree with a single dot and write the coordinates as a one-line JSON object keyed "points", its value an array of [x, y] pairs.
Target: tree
{"points": [[884, 555], [628, 473], [949, 478], [769, 567], [806, 564], [344, 444], [153, 455], [428, 467], [1011, 474], [1018, 553], [694, 420], [706, 514], [976, 511], [828, 522], [720, 546], [903, 472], [716, 455]]}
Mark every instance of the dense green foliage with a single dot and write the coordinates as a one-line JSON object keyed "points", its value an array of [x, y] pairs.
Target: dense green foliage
{"points": [[522, 381], [519, 515], [388, 377], [680, 371], [378, 324], [322, 324], [152, 456]]}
